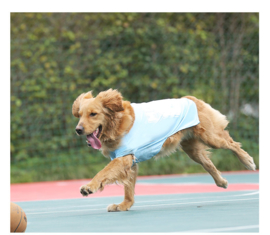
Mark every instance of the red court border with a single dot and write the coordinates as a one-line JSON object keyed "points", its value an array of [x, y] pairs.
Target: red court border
{"points": [[69, 189]]}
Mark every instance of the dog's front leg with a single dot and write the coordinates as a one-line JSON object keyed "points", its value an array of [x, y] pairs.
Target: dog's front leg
{"points": [[118, 170], [129, 192]]}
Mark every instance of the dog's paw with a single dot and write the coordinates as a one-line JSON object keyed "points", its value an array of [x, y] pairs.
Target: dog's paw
{"points": [[250, 165], [85, 190], [115, 208], [223, 183]]}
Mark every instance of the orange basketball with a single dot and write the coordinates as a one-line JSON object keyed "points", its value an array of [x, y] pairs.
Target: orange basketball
{"points": [[18, 220]]}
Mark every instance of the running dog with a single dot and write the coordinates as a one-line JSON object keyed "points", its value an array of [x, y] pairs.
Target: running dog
{"points": [[129, 133]]}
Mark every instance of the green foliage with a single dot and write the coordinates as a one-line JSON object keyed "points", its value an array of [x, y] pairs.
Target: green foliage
{"points": [[146, 56]]}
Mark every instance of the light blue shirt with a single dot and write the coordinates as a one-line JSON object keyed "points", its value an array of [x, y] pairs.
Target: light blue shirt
{"points": [[155, 121]]}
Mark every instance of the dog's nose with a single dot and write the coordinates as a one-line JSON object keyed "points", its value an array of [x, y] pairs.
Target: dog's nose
{"points": [[79, 130]]}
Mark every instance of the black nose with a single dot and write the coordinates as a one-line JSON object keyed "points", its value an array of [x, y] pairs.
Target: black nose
{"points": [[79, 130]]}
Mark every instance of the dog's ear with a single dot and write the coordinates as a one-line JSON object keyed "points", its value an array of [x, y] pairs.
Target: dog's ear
{"points": [[76, 103], [111, 99]]}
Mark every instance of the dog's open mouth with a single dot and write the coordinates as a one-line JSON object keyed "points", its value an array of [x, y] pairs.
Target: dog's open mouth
{"points": [[93, 139]]}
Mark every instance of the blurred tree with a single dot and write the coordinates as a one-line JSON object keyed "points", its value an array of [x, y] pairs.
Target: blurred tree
{"points": [[147, 56]]}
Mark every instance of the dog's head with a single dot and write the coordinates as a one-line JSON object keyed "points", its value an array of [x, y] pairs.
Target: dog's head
{"points": [[96, 114]]}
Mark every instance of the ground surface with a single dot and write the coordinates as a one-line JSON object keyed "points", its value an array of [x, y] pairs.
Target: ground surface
{"points": [[176, 203]]}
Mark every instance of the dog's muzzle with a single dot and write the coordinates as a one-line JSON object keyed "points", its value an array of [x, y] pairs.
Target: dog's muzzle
{"points": [[79, 130]]}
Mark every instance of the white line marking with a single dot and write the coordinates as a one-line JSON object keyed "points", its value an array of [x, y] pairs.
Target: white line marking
{"points": [[221, 229], [199, 202], [190, 183], [247, 194], [136, 202], [36, 209], [184, 183], [185, 203]]}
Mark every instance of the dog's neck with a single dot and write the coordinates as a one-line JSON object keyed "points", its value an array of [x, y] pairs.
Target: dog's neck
{"points": [[119, 124]]}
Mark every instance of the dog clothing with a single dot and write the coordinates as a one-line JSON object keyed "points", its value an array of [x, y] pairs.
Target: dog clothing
{"points": [[155, 121]]}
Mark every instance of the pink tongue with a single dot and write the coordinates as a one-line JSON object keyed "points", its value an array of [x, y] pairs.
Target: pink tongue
{"points": [[94, 141]]}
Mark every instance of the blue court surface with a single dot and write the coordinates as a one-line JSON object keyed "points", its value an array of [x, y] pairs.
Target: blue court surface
{"points": [[211, 212]]}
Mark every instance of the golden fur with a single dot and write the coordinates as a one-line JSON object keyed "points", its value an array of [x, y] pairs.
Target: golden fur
{"points": [[117, 117]]}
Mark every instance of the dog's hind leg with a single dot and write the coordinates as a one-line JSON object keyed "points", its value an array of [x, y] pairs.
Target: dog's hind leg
{"points": [[222, 140], [197, 151], [211, 131]]}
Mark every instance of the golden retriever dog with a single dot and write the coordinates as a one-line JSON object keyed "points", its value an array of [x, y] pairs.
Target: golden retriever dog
{"points": [[106, 119]]}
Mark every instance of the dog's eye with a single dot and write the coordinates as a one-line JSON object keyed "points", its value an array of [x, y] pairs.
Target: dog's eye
{"points": [[92, 114]]}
